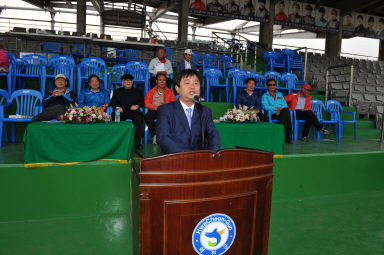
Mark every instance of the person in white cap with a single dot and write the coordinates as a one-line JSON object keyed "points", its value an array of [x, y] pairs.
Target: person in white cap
{"points": [[57, 101], [186, 63]]}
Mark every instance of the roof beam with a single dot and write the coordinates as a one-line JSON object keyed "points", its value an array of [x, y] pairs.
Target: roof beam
{"points": [[40, 4], [164, 8], [97, 5], [347, 6]]}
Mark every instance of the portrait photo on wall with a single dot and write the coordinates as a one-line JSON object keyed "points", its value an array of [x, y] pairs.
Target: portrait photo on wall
{"points": [[247, 8], [371, 26], [262, 9], [215, 6], [360, 24], [380, 27], [321, 18], [333, 18], [308, 14], [348, 22], [232, 7], [281, 10], [295, 12], [198, 5]]}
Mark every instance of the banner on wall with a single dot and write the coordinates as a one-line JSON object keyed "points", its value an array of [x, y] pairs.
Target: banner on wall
{"points": [[295, 14]]}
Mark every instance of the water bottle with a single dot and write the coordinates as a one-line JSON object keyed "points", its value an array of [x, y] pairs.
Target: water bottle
{"points": [[117, 115]]}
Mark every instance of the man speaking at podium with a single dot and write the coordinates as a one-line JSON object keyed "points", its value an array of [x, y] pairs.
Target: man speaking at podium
{"points": [[180, 123]]}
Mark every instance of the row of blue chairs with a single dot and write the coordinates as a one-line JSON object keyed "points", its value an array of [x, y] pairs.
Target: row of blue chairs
{"points": [[208, 60], [286, 61]]}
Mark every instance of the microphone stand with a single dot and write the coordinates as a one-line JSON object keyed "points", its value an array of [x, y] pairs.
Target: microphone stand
{"points": [[200, 112]]}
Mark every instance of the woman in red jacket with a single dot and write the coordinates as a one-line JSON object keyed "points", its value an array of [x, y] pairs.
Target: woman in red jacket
{"points": [[300, 102], [157, 96]]}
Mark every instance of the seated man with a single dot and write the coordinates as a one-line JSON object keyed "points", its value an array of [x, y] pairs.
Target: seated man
{"points": [[160, 65], [248, 97], [94, 95], [186, 63], [128, 100], [274, 102], [157, 96], [178, 123], [57, 101], [301, 103]]}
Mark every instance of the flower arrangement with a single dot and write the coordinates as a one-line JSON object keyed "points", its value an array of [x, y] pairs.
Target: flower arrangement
{"points": [[241, 114], [85, 115]]}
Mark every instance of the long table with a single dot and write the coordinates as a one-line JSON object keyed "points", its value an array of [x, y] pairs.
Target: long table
{"points": [[54, 142], [259, 135]]}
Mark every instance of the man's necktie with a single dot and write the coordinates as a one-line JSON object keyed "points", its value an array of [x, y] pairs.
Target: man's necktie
{"points": [[189, 116]]}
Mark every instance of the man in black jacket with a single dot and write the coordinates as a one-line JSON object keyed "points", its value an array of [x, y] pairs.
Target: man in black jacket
{"points": [[128, 100]]}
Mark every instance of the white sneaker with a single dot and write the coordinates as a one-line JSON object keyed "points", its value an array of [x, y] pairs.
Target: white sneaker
{"points": [[154, 140]]}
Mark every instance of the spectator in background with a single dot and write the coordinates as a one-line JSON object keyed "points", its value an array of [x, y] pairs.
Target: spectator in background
{"points": [[294, 16], [273, 101], [231, 7], [333, 21], [160, 65], [248, 9], [281, 15], [301, 103], [186, 63], [4, 59], [360, 29], [321, 21], [370, 30], [381, 28], [128, 100], [248, 97], [198, 5], [348, 26], [308, 18], [94, 95], [57, 101], [261, 12], [215, 6], [157, 96]]}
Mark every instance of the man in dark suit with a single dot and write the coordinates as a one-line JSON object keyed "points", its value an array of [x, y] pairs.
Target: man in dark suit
{"points": [[178, 123], [186, 63]]}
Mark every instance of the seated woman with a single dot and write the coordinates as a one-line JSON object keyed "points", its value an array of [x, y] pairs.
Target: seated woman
{"points": [[94, 95], [128, 100], [4, 59], [57, 101], [157, 96]]}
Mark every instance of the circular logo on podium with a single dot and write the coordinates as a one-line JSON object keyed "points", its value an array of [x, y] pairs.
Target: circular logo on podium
{"points": [[214, 234]]}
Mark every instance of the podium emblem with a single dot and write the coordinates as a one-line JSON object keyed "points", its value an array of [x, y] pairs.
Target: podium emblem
{"points": [[214, 234]]}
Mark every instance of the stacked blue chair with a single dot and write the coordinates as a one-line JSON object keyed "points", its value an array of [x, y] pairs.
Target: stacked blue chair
{"points": [[168, 54], [29, 67], [318, 107], [9, 77], [277, 77], [196, 59], [4, 97], [209, 61], [128, 55], [274, 61], [110, 55], [290, 80], [237, 76], [28, 105], [293, 61], [78, 51], [52, 48], [114, 76], [336, 109], [226, 63], [212, 78], [89, 66], [61, 65], [140, 72]]}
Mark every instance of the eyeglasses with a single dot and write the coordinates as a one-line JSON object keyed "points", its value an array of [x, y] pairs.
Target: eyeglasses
{"points": [[271, 84]]}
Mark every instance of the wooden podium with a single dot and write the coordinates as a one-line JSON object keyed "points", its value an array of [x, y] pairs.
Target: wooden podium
{"points": [[178, 191]]}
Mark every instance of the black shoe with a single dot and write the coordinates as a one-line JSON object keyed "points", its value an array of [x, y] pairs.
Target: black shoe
{"points": [[138, 146], [305, 139], [325, 131]]}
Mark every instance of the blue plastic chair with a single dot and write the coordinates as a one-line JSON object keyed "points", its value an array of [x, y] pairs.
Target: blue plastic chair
{"points": [[114, 77], [290, 80], [140, 72], [318, 107], [209, 61], [61, 65], [4, 98], [128, 55], [270, 120], [78, 52], [226, 63], [196, 59], [335, 107], [169, 54], [28, 105], [89, 66], [52, 48], [260, 80], [212, 78], [31, 67], [293, 61], [277, 77], [237, 76], [274, 60]]}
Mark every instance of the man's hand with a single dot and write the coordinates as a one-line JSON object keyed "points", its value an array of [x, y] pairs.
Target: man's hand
{"points": [[120, 109], [134, 107], [57, 93], [278, 110]]}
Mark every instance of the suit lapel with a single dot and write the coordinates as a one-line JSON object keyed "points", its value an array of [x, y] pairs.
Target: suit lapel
{"points": [[195, 123], [180, 114]]}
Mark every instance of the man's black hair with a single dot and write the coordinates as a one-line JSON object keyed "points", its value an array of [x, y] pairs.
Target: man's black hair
{"points": [[321, 10], [381, 20], [127, 76], [270, 80], [186, 73], [371, 19], [360, 16], [160, 74], [160, 48], [250, 79], [91, 76]]}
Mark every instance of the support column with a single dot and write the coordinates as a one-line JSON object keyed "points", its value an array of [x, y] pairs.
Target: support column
{"points": [[81, 17], [381, 50], [102, 26], [266, 32], [52, 21], [182, 33], [333, 42]]}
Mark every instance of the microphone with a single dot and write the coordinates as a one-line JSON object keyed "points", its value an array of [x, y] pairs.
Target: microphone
{"points": [[197, 99]]}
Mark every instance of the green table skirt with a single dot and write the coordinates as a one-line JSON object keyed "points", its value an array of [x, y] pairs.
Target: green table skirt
{"points": [[261, 135], [57, 142]]}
